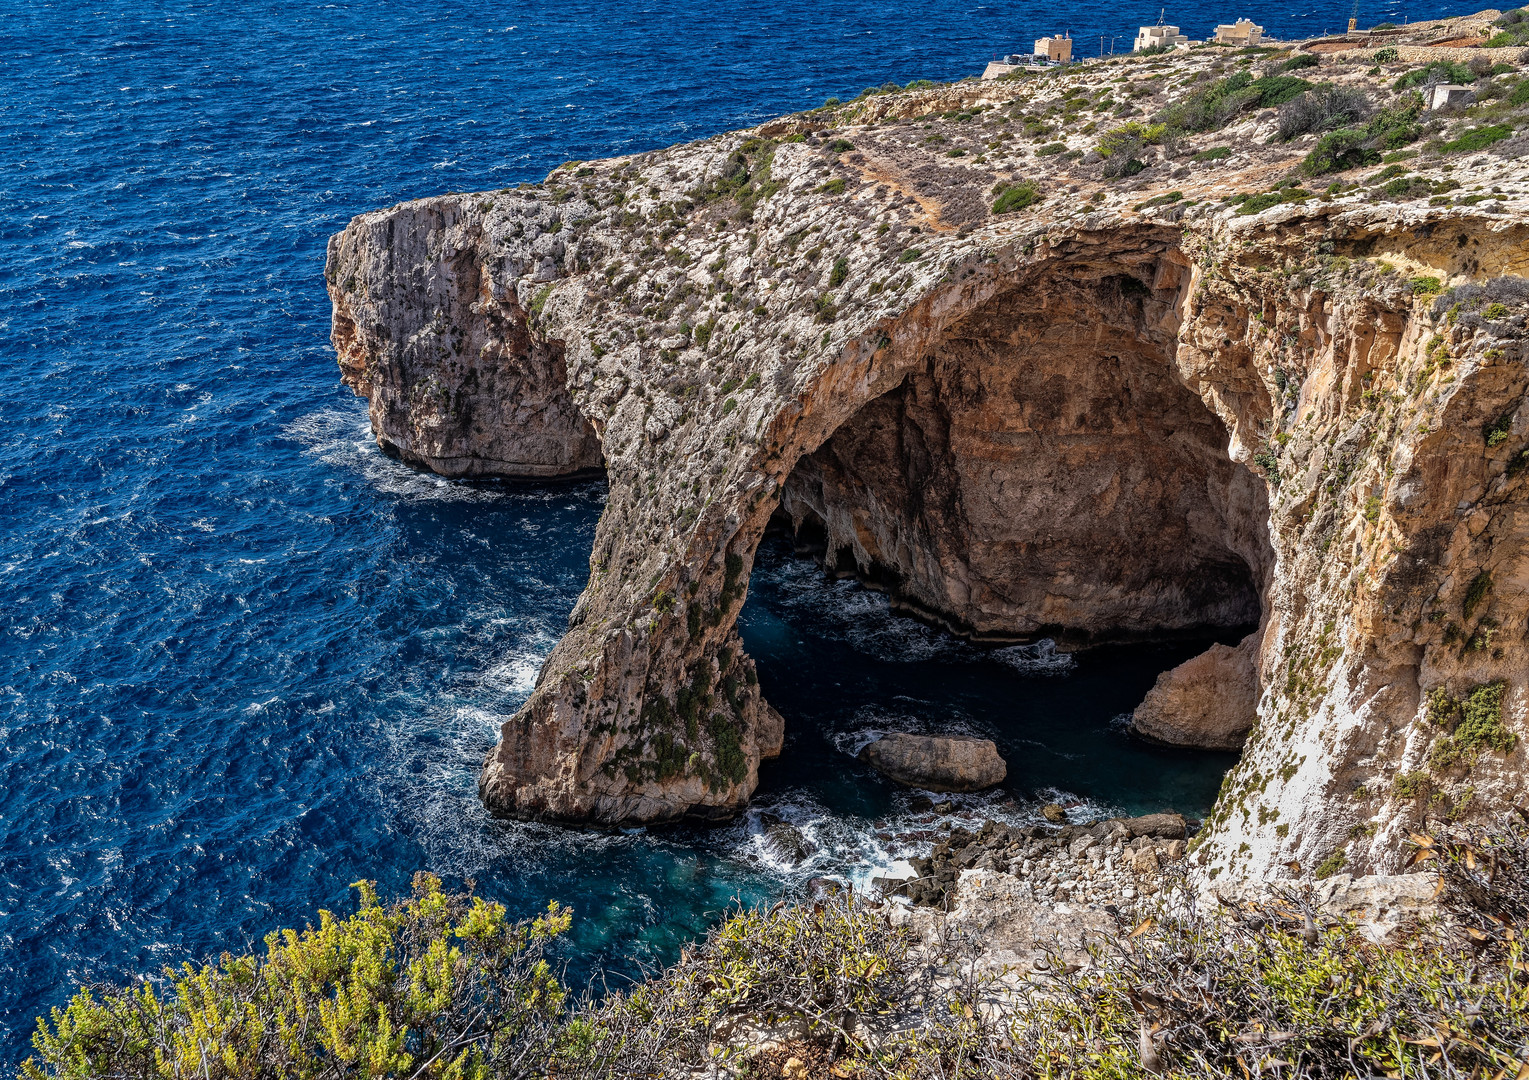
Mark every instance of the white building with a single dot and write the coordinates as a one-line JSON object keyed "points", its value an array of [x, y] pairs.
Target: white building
{"points": [[1151, 37], [1056, 49], [1243, 32]]}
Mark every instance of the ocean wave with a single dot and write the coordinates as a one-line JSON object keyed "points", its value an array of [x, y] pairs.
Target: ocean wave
{"points": [[342, 438]]}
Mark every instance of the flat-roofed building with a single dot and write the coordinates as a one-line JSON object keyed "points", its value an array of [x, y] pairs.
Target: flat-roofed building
{"points": [[1243, 32], [1153, 37], [1056, 49]]}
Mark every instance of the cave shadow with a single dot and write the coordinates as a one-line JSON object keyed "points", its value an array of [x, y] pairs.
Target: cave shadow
{"points": [[1040, 475]]}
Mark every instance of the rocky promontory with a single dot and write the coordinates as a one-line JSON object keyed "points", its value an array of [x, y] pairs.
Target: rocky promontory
{"points": [[1221, 341]]}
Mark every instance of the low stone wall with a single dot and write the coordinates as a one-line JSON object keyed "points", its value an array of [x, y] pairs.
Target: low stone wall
{"points": [[1416, 54]]}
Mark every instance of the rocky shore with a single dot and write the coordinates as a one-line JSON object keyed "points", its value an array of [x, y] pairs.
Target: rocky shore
{"points": [[1107, 862]]}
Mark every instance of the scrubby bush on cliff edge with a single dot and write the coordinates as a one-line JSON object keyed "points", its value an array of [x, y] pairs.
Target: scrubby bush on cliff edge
{"points": [[445, 986], [438, 985]]}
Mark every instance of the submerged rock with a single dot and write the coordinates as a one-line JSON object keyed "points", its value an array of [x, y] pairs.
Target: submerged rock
{"points": [[937, 762]]}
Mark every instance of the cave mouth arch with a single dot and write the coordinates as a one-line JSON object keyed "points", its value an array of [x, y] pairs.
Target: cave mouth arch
{"points": [[1042, 472]]}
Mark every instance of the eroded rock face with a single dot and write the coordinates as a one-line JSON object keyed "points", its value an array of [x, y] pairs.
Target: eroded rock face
{"points": [[440, 347], [1094, 419], [1045, 474], [1209, 701], [937, 762]]}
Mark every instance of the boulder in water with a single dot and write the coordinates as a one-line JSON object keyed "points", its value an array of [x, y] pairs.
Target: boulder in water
{"points": [[787, 843], [937, 762]]}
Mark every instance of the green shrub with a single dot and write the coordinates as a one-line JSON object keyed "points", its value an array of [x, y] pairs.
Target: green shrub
{"points": [[1017, 197], [832, 187], [1474, 725], [1496, 432], [839, 146], [1215, 153], [909, 255], [1407, 187], [1160, 200], [839, 273], [1330, 865], [1299, 61], [1477, 138], [1515, 30], [1051, 148], [443, 986], [1214, 106], [1322, 108], [1477, 590], [1425, 286], [1258, 203], [1351, 147], [1519, 95], [1388, 55], [438, 985], [1438, 71]]}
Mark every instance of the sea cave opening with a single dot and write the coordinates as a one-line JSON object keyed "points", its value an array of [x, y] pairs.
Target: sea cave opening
{"points": [[1039, 475]]}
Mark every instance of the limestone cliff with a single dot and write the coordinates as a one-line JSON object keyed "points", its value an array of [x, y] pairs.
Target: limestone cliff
{"points": [[1120, 412]]}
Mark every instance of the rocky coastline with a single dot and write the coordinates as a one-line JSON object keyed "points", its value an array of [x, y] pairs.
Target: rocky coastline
{"points": [[1062, 356]]}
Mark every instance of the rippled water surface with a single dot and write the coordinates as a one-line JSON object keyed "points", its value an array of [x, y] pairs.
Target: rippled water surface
{"points": [[247, 661]]}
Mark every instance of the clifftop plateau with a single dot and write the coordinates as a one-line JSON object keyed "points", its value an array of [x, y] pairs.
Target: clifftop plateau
{"points": [[1218, 340]]}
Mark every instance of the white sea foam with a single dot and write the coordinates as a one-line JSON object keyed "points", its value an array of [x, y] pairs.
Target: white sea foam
{"points": [[1040, 658], [342, 438]]}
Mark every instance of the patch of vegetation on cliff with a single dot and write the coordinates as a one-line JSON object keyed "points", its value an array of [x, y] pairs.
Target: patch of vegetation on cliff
{"points": [[745, 179], [1015, 197], [1352, 147], [1472, 724], [1216, 105], [1438, 71], [439, 985], [445, 985]]}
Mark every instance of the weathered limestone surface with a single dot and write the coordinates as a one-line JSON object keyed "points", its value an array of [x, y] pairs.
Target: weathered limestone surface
{"points": [[937, 762], [1093, 419], [456, 381]]}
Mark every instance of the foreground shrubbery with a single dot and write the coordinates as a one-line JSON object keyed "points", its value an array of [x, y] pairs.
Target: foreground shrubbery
{"points": [[436, 985], [445, 986]]}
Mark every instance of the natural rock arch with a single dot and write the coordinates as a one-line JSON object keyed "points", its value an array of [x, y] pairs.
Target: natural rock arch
{"points": [[1072, 487], [1385, 433], [1042, 472]]}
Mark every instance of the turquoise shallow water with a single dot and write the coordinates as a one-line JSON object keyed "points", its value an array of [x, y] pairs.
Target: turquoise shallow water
{"points": [[245, 660]]}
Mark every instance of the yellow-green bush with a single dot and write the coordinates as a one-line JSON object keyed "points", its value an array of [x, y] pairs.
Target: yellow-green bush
{"points": [[438, 986]]}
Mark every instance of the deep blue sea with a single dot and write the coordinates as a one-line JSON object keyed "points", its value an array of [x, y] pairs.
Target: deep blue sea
{"points": [[245, 659]]}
